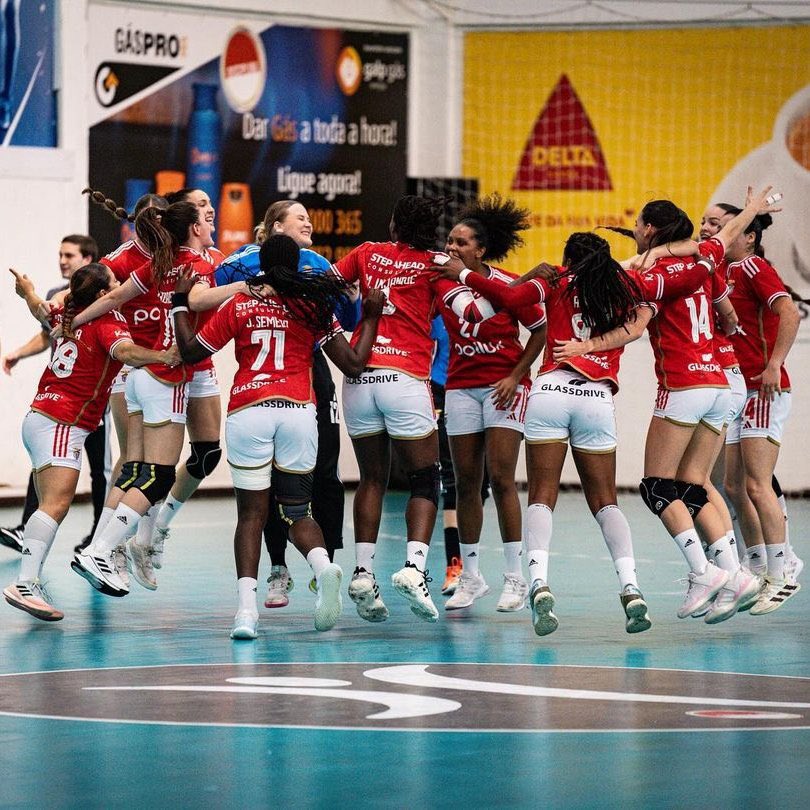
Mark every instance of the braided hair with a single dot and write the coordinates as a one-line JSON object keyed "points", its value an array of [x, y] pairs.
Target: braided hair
{"points": [[496, 224], [416, 219], [163, 232], [606, 294], [144, 201], [85, 285], [309, 297]]}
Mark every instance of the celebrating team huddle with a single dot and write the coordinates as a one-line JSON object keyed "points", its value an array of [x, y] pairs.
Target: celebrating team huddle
{"points": [[720, 323]]}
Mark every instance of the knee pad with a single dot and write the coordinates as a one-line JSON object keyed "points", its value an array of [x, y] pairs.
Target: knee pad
{"points": [[155, 481], [130, 470], [426, 483], [693, 495], [293, 493], [203, 459], [658, 493]]}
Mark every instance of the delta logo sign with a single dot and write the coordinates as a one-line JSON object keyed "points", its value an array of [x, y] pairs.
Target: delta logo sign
{"points": [[562, 153]]}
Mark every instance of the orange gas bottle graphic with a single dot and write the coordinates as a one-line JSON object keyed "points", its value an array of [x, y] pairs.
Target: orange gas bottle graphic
{"points": [[167, 181], [235, 217]]}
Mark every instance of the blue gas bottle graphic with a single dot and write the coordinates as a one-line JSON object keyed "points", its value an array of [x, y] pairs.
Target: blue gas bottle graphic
{"points": [[204, 136]]}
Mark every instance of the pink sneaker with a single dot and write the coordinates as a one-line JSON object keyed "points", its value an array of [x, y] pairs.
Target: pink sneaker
{"points": [[32, 598], [702, 589]]}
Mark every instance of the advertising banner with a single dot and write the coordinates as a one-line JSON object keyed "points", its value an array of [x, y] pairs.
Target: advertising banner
{"points": [[27, 98], [251, 114], [586, 127]]}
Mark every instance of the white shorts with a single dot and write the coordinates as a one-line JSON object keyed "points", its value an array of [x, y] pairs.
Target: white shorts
{"points": [[739, 392], [472, 410], [119, 384], [204, 383], [274, 433], [52, 444], [693, 406], [565, 406], [761, 419], [382, 399], [160, 403]]}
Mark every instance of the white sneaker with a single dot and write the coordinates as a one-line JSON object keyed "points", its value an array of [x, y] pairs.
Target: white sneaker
{"points": [[32, 597], [122, 564], [775, 593], [244, 625], [100, 571], [514, 594], [411, 583], [740, 588], [329, 604], [793, 567], [139, 564], [159, 537], [747, 604], [635, 610], [541, 601], [701, 589], [365, 594], [279, 584], [470, 587]]}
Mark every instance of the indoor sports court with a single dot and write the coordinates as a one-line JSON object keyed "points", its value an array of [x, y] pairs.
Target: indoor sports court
{"points": [[146, 700]]}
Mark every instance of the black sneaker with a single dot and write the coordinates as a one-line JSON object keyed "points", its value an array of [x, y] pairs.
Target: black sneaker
{"points": [[12, 537]]}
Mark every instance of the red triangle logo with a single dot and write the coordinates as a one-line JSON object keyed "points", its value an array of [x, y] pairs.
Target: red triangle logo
{"points": [[563, 152]]}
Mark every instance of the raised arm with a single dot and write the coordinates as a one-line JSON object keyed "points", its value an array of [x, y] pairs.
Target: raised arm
{"points": [[38, 308], [114, 299], [351, 360], [762, 203]]}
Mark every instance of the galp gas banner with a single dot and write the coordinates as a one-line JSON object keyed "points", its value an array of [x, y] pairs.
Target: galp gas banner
{"points": [[586, 127], [251, 114]]}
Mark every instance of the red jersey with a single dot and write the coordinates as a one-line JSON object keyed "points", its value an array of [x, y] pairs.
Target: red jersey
{"points": [[681, 331], [485, 352], [205, 264], [273, 350], [405, 275], [144, 313], [755, 285], [75, 387]]}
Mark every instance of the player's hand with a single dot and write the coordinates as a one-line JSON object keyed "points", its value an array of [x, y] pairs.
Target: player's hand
{"points": [[186, 280], [566, 349], [545, 271], [9, 361], [766, 202], [770, 382], [373, 304], [503, 392], [451, 266], [171, 357], [23, 285]]}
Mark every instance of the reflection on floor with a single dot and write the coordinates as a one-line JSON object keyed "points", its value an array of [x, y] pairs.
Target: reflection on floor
{"points": [[146, 700]]}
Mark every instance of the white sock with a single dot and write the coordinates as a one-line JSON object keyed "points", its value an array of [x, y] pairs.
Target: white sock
{"points": [[513, 554], [168, 511], [735, 547], [756, 559], [122, 525], [364, 554], [775, 553], [722, 554], [318, 559], [143, 537], [539, 523], [689, 544], [103, 519], [619, 541], [38, 536], [470, 556], [246, 588], [417, 554]]}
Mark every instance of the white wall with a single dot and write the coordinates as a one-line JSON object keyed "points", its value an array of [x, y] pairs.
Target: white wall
{"points": [[40, 202]]}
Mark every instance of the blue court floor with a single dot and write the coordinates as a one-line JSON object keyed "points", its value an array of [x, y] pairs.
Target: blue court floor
{"points": [[145, 701]]}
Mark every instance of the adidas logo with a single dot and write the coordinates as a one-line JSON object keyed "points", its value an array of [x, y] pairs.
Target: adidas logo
{"points": [[754, 555], [27, 551], [471, 555], [780, 554], [419, 553], [532, 562], [169, 506], [122, 518], [718, 553], [689, 543]]}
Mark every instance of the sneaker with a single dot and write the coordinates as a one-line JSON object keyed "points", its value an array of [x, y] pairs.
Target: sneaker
{"points": [[12, 537], [775, 593], [159, 537], [279, 584], [793, 567], [411, 583], [747, 604], [365, 594], [451, 575], [139, 564], [701, 589], [83, 543], [741, 587], [635, 609], [32, 598], [244, 625], [100, 571], [514, 594], [329, 604], [470, 587], [541, 601]]}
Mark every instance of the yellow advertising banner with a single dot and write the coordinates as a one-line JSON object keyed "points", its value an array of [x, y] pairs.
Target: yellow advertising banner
{"points": [[583, 128]]}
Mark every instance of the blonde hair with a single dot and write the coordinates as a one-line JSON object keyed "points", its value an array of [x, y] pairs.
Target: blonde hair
{"points": [[277, 212]]}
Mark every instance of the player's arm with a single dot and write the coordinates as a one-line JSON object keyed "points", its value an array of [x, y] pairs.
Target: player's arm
{"points": [[762, 203], [38, 343], [630, 330], [351, 360], [114, 299], [680, 249], [202, 297], [789, 318], [130, 354], [503, 392]]}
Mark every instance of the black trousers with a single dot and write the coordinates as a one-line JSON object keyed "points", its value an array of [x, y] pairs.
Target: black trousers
{"points": [[327, 489], [95, 445]]}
